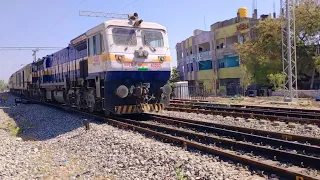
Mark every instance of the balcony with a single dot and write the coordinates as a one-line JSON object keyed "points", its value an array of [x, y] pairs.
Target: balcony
{"points": [[229, 50], [207, 55], [232, 72]]}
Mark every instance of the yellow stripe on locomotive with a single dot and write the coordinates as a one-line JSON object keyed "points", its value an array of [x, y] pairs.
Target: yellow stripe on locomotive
{"points": [[135, 109]]}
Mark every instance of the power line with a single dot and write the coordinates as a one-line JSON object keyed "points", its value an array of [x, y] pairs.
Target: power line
{"points": [[29, 48], [61, 19], [133, 2], [128, 5]]}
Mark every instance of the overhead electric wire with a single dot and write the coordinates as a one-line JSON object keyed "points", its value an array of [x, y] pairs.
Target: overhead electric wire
{"points": [[63, 18], [133, 2]]}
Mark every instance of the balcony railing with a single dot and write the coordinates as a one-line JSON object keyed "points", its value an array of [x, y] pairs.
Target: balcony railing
{"points": [[229, 50], [199, 57]]}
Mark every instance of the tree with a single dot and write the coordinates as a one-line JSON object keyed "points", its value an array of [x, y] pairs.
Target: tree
{"points": [[175, 76], [276, 80], [245, 78], [262, 54], [3, 85]]}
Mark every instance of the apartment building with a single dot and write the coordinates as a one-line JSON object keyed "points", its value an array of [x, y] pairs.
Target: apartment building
{"points": [[209, 58], [195, 59]]}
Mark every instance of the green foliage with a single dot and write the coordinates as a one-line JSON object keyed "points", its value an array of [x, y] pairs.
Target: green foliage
{"points": [[13, 128], [317, 63], [245, 77], [261, 55], [277, 80], [3, 85], [179, 172], [175, 77]]}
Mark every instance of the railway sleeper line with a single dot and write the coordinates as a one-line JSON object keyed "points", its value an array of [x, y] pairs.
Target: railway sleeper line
{"points": [[226, 145], [241, 136], [285, 136], [254, 111], [242, 143], [227, 154], [296, 110], [246, 115]]}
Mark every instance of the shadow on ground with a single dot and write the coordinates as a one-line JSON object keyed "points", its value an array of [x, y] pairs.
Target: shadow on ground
{"points": [[38, 122]]}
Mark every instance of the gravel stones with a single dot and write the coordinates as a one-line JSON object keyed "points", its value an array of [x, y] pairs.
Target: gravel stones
{"points": [[276, 126], [58, 147]]}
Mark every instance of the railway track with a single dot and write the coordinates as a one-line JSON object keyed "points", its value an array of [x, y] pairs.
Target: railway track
{"points": [[273, 115], [193, 101], [253, 110], [233, 145]]}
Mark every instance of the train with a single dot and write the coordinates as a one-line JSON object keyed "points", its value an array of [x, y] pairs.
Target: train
{"points": [[121, 66]]}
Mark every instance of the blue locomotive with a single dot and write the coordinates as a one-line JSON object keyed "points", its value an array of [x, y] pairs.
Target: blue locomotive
{"points": [[119, 67]]}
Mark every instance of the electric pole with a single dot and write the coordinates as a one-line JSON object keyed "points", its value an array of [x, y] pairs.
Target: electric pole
{"points": [[289, 56], [34, 50]]}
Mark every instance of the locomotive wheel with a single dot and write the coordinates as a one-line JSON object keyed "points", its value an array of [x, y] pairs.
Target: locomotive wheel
{"points": [[90, 100], [78, 101], [91, 109]]}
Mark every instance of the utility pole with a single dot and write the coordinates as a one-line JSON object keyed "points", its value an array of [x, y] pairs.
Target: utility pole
{"points": [[289, 56], [34, 50], [35, 54]]}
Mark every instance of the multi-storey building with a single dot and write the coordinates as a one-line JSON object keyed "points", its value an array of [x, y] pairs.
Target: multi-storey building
{"points": [[195, 59], [210, 58]]}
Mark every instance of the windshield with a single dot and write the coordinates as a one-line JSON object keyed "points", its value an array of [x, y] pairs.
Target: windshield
{"points": [[152, 38], [124, 36]]}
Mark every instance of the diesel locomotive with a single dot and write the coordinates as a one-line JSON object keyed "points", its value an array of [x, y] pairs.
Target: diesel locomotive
{"points": [[121, 66]]}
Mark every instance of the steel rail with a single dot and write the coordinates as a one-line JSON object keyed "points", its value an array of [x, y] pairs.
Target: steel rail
{"points": [[264, 108], [251, 110], [240, 136], [278, 135], [247, 115], [250, 106], [282, 155]]}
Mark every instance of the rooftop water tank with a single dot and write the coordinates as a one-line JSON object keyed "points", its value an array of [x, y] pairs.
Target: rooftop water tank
{"points": [[243, 12]]}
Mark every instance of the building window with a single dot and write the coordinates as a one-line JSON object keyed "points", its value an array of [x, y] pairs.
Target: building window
{"points": [[205, 65], [221, 65]]}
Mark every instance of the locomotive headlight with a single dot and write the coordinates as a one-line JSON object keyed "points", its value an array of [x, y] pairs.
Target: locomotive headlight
{"points": [[119, 57], [161, 58], [166, 89], [122, 91]]}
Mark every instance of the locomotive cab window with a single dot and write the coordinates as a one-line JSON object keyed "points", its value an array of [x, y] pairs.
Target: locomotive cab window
{"points": [[95, 44], [124, 36], [152, 38]]}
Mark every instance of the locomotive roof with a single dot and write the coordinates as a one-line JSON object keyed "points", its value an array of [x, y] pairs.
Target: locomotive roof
{"points": [[124, 23]]}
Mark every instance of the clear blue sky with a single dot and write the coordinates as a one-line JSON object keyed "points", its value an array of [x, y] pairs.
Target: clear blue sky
{"points": [[50, 23]]}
